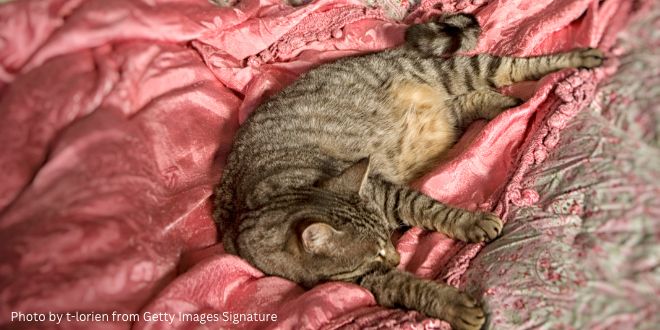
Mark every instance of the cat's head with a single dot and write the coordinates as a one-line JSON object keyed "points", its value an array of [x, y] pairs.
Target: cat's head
{"points": [[317, 234]]}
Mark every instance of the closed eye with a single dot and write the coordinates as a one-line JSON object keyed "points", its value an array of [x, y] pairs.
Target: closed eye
{"points": [[381, 253]]}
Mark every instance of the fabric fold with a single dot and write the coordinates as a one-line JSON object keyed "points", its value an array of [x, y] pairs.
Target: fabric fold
{"points": [[116, 116]]}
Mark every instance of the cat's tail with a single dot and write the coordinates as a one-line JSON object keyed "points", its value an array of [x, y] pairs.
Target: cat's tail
{"points": [[445, 35]]}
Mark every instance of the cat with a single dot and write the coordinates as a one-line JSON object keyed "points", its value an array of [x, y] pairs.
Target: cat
{"points": [[317, 178]]}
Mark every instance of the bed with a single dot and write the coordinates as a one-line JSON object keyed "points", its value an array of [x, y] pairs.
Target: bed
{"points": [[116, 117]]}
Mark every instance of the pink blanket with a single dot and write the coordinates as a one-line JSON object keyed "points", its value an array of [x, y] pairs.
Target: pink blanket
{"points": [[115, 118]]}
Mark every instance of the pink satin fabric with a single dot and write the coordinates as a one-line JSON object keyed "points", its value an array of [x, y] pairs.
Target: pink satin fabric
{"points": [[116, 116]]}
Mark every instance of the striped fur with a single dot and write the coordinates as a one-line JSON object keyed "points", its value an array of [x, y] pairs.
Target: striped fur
{"points": [[317, 178], [446, 35]]}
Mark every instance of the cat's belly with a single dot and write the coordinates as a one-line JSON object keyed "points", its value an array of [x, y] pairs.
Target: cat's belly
{"points": [[423, 130]]}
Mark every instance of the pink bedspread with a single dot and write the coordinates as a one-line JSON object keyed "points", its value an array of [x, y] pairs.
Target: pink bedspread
{"points": [[115, 118]]}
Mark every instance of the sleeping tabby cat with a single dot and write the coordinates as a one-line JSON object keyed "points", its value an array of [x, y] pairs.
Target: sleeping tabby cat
{"points": [[317, 178]]}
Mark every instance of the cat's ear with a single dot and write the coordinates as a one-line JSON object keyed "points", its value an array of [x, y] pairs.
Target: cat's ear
{"points": [[319, 238], [352, 180]]}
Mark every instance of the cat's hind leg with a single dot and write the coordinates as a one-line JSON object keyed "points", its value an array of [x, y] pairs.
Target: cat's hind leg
{"points": [[478, 100], [480, 104], [508, 70]]}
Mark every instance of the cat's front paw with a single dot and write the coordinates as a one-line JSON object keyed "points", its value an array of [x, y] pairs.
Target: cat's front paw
{"points": [[477, 227], [588, 58], [461, 311]]}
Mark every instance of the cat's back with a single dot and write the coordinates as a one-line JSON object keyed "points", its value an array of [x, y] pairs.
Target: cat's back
{"points": [[321, 116], [339, 113]]}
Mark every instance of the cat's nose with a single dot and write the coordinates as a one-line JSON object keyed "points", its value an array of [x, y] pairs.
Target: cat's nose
{"points": [[392, 258]]}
